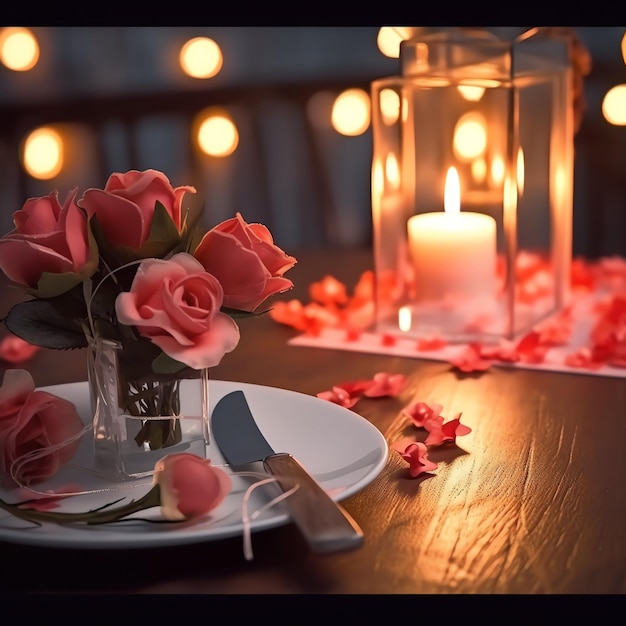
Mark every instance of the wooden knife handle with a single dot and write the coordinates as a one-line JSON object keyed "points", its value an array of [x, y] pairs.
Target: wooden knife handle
{"points": [[326, 526]]}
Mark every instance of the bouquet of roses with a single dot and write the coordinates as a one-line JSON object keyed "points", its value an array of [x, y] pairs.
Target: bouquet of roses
{"points": [[127, 264]]}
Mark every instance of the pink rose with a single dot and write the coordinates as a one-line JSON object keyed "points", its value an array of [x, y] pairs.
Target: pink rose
{"points": [[125, 207], [34, 420], [190, 486], [244, 258], [176, 304], [50, 238], [15, 349]]}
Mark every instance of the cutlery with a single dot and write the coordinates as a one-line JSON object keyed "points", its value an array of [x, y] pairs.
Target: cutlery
{"points": [[326, 526]]}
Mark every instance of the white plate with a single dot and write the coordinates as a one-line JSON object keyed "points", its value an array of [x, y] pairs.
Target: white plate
{"points": [[341, 449]]}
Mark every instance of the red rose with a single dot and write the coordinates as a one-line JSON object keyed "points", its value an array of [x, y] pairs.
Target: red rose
{"points": [[125, 207], [176, 304], [190, 486], [244, 258], [49, 238], [34, 420]]}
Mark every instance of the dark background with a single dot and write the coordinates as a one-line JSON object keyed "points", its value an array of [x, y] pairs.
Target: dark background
{"points": [[133, 106]]}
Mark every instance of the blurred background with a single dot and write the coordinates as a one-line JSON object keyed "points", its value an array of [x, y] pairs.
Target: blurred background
{"points": [[269, 121]]}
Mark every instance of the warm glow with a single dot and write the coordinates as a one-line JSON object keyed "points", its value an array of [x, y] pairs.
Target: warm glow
{"points": [[520, 171], [392, 171], [470, 136], [624, 48], [43, 153], [472, 93], [201, 58], [479, 170], [497, 170], [404, 319], [389, 39], [560, 182], [614, 105], [509, 196], [378, 178], [452, 192], [389, 106], [216, 133], [351, 112], [19, 49]]}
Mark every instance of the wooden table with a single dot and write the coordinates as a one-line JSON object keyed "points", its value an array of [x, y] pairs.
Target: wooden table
{"points": [[533, 501]]}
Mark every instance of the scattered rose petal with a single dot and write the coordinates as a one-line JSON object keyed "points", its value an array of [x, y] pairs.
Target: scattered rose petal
{"points": [[583, 358], [470, 359], [329, 290], [364, 289], [453, 429], [388, 340], [356, 387], [290, 313], [416, 455], [583, 277], [339, 396], [557, 330], [505, 350], [353, 334], [424, 415], [529, 348], [608, 336], [14, 349], [317, 317], [448, 432], [384, 384], [359, 315], [427, 344], [346, 394]]}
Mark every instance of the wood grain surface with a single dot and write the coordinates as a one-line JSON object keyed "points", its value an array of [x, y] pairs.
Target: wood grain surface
{"points": [[532, 501]]}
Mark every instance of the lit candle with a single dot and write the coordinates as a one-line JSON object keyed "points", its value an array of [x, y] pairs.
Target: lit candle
{"points": [[454, 252]]}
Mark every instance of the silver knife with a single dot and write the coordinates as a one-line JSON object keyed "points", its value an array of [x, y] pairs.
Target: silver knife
{"points": [[326, 526]]}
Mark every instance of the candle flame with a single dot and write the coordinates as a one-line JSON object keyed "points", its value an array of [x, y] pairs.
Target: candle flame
{"points": [[404, 319], [452, 192]]}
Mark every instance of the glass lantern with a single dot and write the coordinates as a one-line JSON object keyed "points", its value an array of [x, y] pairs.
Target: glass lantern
{"points": [[472, 186]]}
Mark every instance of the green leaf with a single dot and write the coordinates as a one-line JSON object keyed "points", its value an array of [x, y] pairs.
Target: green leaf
{"points": [[165, 364], [237, 313], [192, 234], [52, 284], [163, 237], [41, 324]]}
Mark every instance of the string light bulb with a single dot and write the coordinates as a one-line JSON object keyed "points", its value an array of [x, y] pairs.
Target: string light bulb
{"points": [[19, 49]]}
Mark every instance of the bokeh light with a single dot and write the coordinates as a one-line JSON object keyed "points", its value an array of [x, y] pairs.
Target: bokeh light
{"points": [[392, 171], [472, 93], [19, 49], [470, 136], [479, 170], [216, 133], [351, 112], [201, 57], [42, 155], [389, 39], [498, 169], [389, 106], [614, 105]]}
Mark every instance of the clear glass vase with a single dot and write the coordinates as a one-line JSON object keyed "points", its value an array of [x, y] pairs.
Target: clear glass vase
{"points": [[138, 421]]}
